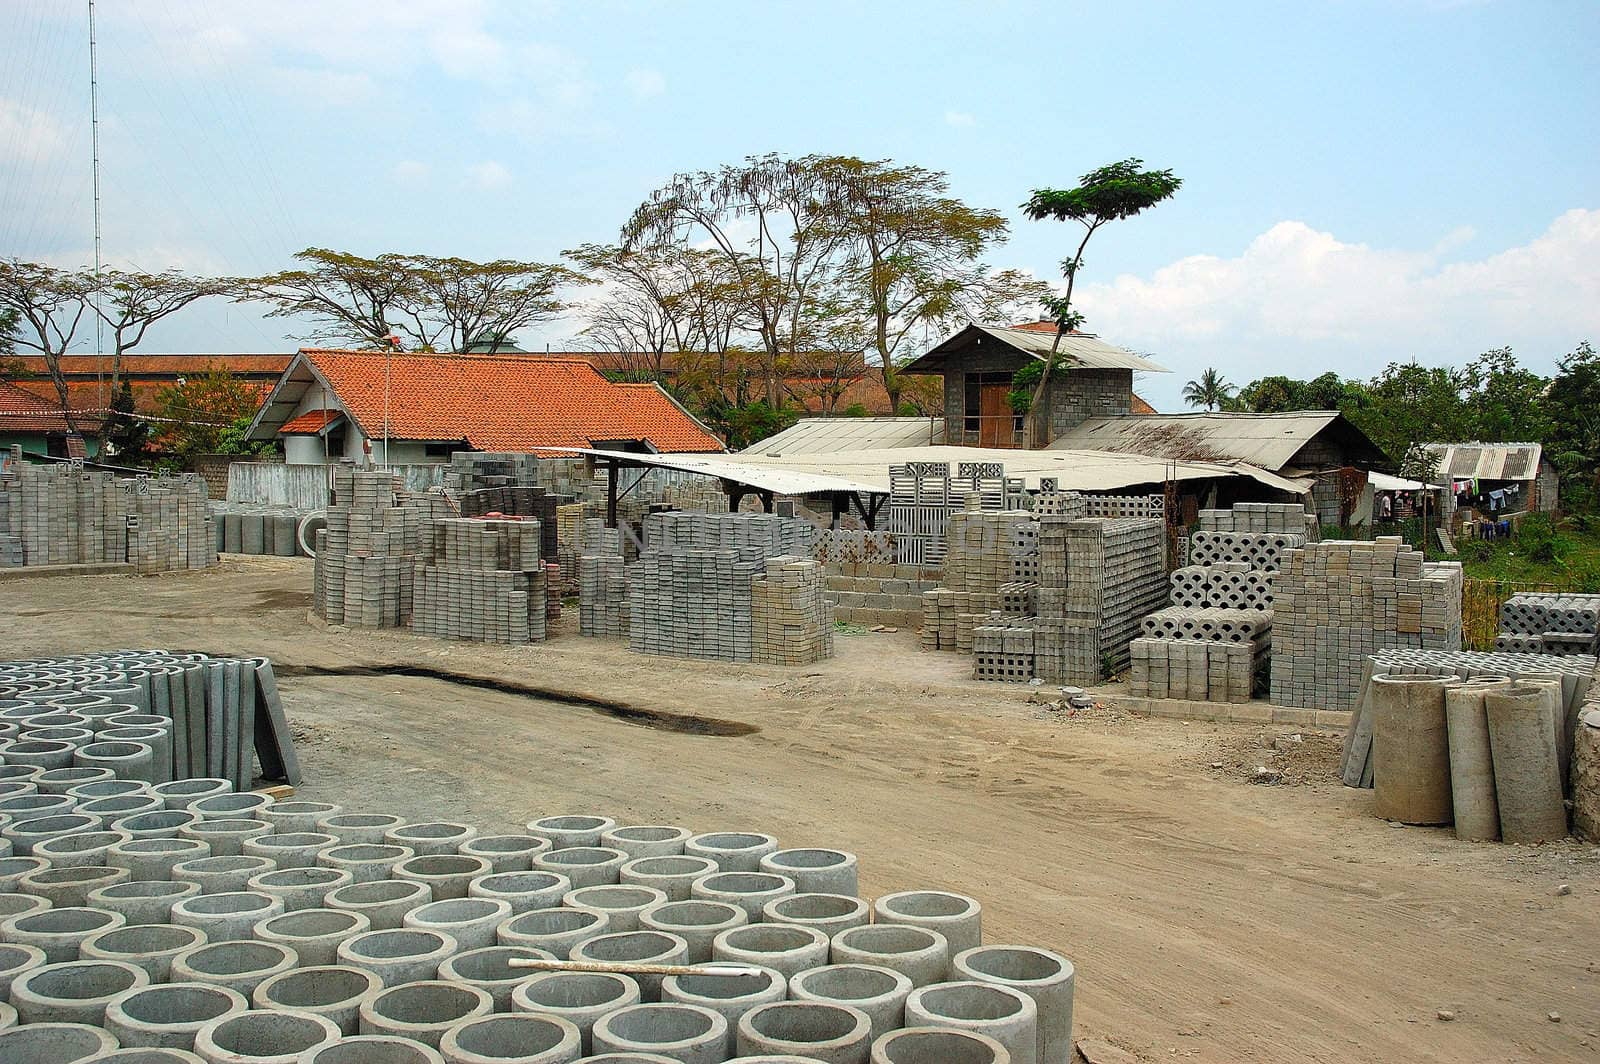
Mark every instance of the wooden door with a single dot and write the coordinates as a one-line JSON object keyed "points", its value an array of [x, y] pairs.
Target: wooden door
{"points": [[995, 417]]}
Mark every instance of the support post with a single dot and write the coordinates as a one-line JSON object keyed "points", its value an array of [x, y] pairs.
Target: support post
{"points": [[611, 493]]}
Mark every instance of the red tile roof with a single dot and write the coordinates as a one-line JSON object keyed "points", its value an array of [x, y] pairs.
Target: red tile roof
{"points": [[89, 376], [23, 411], [504, 402], [1139, 406], [311, 422]]}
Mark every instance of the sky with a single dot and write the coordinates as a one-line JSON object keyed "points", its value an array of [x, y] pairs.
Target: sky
{"points": [[1365, 181]]}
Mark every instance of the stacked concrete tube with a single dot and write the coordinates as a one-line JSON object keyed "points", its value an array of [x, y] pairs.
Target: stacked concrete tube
{"points": [[1527, 771], [1411, 750]]}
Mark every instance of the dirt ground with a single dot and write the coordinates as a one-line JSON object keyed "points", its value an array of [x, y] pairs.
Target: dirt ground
{"points": [[1210, 917]]}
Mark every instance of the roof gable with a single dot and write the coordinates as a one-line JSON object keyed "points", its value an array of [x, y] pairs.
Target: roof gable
{"points": [[1080, 350], [1267, 440]]}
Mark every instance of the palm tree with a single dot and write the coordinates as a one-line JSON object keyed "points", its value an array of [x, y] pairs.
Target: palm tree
{"points": [[1210, 391]]}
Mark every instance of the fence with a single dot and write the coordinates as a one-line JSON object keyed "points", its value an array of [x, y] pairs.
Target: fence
{"points": [[305, 487]]}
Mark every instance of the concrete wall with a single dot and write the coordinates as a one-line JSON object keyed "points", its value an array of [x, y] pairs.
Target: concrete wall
{"points": [[1075, 395], [38, 443]]}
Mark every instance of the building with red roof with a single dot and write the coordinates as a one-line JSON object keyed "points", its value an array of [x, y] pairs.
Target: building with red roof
{"points": [[40, 425]]}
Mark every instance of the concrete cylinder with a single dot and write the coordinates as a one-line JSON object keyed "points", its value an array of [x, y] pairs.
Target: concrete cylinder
{"points": [[232, 806], [1410, 749], [505, 853], [334, 992], [14, 960], [55, 1043], [358, 829], [749, 890], [226, 917], [252, 534], [112, 788], [169, 1017], [121, 806], [149, 946], [405, 955], [73, 991], [424, 1010], [833, 1034], [733, 851], [221, 875], [647, 840], [1527, 770], [698, 923], [64, 780], [314, 934], [285, 541], [1003, 1013], [300, 888], [181, 794], [919, 953], [585, 866], [85, 848], [142, 901], [1476, 814], [157, 824], [955, 916], [142, 1055], [815, 871], [636, 947], [729, 996], [580, 998], [158, 737], [673, 876], [154, 859], [622, 904], [555, 930], [18, 788], [373, 1049], [232, 534], [26, 835], [129, 760], [472, 922], [685, 1033], [572, 830], [59, 932], [22, 808], [786, 948], [878, 992], [515, 1039], [489, 969], [447, 875], [70, 886], [828, 913], [933, 1045], [383, 902], [225, 837], [297, 816], [259, 1037], [59, 718], [17, 904], [76, 737], [294, 849], [524, 891], [1044, 976], [432, 837], [366, 862], [240, 966]]}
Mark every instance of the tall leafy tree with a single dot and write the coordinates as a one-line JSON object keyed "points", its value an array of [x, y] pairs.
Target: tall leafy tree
{"points": [[48, 306], [1109, 194], [1210, 390], [1573, 406], [199, 410]]}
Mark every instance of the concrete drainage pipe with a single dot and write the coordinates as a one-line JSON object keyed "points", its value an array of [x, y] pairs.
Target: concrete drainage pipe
{"points": [[1045, 976], [931, 1045], [1477, 815], [1003, 1013], [1410, 749], [1527, 770]]}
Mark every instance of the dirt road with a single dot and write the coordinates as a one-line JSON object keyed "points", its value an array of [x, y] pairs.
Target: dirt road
{"points": [[1209, 918]]}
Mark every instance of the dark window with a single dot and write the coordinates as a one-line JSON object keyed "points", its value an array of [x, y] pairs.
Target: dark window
{"points": [[439, 450]]}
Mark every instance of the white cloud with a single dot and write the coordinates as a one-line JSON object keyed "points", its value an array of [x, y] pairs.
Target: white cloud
{"points": [[1301, 301], [960, 119], [411, 172], [488, 175], [644, 83], [39, 136]]}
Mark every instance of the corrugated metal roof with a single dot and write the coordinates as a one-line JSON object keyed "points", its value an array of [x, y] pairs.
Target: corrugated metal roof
{"points": [[1080, 349], [1267, 440], [825, 435], [1488, 461]]}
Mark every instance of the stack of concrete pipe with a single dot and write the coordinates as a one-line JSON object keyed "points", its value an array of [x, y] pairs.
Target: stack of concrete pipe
{"points": [[231, 929], [242, 528]]}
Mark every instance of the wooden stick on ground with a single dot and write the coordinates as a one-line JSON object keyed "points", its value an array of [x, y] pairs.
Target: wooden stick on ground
{"points": [[624, 968]]}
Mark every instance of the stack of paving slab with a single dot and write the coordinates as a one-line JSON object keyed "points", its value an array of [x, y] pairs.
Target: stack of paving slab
{"points": [[156, 715], [791, 619], [1533, 623], [367, 554], [483, 581], [65, 515], [247, 528], [1338, 602], [1289, 517], [1098, 577], [985, 552], [518, 500], [603, 596]]}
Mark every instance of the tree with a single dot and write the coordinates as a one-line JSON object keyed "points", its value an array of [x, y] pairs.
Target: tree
{"points": [[1111, 193], [1505, 401], [126, 432], [1210, 391], [199, 410], [1573, 406], [47, 305]]}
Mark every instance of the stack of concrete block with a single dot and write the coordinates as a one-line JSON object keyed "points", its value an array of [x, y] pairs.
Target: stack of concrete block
{"points": [[570, 518], [790, 617], [367, 554], [517, 500], [1276, 517], [1338, 602], [1003, 652], [1532, 623], [1149, 506], [674, 530], [1052, 503], [940, 609], [482, 581], [1227, 585], [693, 602], [1097, 578], [602, 596], [246, 528], [1258, 550], [1199, 670], [878, 592], [847, 546], [923, 495]]}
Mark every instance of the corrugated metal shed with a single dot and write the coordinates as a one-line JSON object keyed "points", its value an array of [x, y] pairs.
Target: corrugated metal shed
{"points": [[1267, 440], [1488, 461], [1080, 349], [825, 435]]}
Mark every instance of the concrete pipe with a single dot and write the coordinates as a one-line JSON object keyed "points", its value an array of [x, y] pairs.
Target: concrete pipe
{"points": [[300, 888], [833, 1034], [696, 922], [143, 1055], [447, 875], [294, 849], [43, 753], [751, 891], [728, 996], [786, 948], [59, 932], [633, 1058], [64, 780], [154, 859], [815, 871], [933, 1045], [358, 829], [232, 534], [298, 816], [285, 535], [119, 806], [1476, 814], [158, 737], [878, 992], [372, 1049], [25, 836], [1410, 749], [585, 866], [333, 991], [919, 953], [129, 760], [505, 853], [1003, 1013], [580, 998], [58, 719], [240, 966], [571, 831], [232, 806], [1527, 771], [515, 1039], [55, 1043], [647, 840], [170, 1016], [225, 837], [149, 946], [489, 969], [64, 887], [258, 1037], [557, 931], [955, 916], [181, 794], [73, 991], [125, 693], [14, 960], [22, 808], [1045, 976], [685, 1033], [226, 917], [431, 838], [405, 955], [314, 934], [636, 947], [384, 903], [622, 904], [142, 901], [252, 534], [673, 876], [221, 875], [160, 824], [733, 851], [366, 862], [75, 737], [306, 534], [17, 788], [19, 904], [76, 851], [472, 922], [422, 1011]]}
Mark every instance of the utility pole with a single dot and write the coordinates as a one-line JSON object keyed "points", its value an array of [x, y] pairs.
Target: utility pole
{"points": [[94, 141]]}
